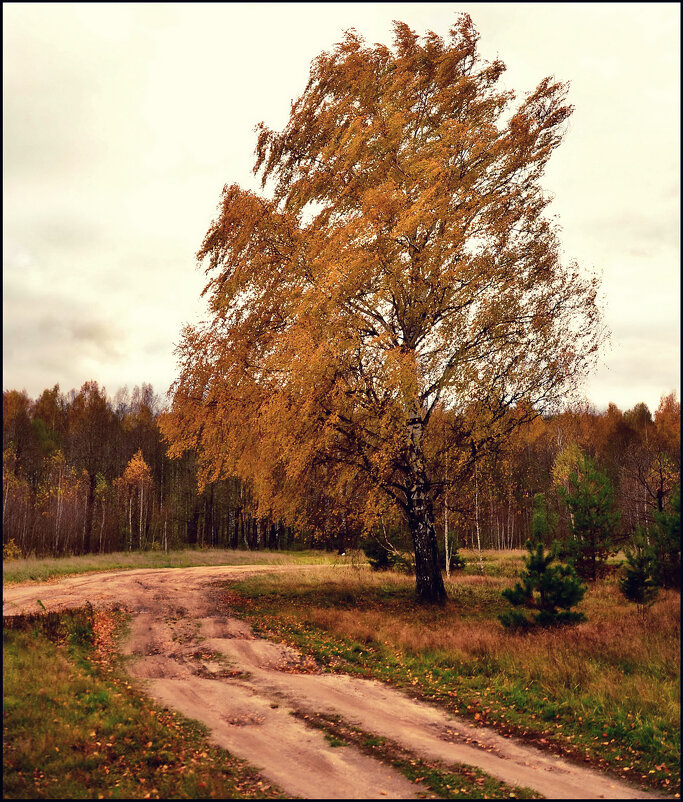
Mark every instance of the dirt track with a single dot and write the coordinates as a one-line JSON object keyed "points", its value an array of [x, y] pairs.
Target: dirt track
{"points": [[212, 668]]}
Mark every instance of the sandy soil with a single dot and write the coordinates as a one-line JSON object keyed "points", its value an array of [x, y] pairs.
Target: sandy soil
{"points": [[214, 669]]}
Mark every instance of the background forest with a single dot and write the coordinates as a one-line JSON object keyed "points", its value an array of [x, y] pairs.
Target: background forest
{"points": [[83, 472]]}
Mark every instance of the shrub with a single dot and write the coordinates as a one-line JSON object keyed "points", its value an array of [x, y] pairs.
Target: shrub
{"points": [[456, 561], [543, 589], [638, 583], [383, 557], [10, 550]]}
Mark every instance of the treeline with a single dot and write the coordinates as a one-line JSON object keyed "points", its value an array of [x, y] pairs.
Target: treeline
{"points": [[86, 473], [83, 472], [634, 456]]}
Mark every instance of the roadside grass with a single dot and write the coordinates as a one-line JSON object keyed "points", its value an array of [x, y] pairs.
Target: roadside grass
{"points": [[43, 569], [74, 726], [605, 692], [455, 781]]}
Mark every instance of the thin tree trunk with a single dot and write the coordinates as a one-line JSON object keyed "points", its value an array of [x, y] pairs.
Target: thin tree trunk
{"points": [[140, 498], [4, 506], [476, 516], [59, 510], [102, 524], [445, 519]]}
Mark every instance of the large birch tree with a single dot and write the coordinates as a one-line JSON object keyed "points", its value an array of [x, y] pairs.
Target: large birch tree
{"points": [[399, 260]]}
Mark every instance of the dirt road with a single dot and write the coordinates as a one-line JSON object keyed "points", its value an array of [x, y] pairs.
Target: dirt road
{"points": [[212, 668]]}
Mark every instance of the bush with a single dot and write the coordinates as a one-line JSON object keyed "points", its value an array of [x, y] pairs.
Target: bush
{"points": [[10, 550], [456, 561], [384, 557]]}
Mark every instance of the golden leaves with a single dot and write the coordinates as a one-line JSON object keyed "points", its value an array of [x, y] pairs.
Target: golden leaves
{"points": [[402, 259]]}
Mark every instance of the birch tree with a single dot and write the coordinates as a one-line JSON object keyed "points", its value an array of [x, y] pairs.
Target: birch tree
{"points": [[398, 258]]}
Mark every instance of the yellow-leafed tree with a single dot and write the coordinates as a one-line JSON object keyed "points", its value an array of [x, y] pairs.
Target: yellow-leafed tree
{"points": [[134, 486], [400, 260]]}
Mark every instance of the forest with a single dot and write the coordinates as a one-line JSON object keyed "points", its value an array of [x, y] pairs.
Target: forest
{"points": [[84, 472]]}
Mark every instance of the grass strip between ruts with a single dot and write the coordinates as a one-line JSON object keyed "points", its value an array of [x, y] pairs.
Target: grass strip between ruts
{"points": [[455, 781]]}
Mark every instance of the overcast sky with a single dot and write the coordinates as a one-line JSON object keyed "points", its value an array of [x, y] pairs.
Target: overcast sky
{"points": [[122, 123]]}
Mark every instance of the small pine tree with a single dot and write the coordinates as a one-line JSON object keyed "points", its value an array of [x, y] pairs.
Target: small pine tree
{"points": [[385, 557], [666, 542], [638, 582], [594, 521], [543, 521], [544, 588], [379, 556]]}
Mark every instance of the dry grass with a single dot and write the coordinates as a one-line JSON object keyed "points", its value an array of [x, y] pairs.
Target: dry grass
{"points": [[40, 569], [608, 688]]}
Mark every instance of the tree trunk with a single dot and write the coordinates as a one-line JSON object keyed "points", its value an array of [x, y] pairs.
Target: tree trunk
{"points": [[445, 518], [140, 499], [89, 514], [102, 524], [476, 517], [428, 580]]}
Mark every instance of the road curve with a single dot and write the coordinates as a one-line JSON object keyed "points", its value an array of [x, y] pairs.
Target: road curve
{"points": [[212, 668]]}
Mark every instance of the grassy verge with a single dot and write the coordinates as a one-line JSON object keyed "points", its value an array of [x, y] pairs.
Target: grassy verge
{"points": [[444, 781], [605, 692], [74, 727], [44, 569]]}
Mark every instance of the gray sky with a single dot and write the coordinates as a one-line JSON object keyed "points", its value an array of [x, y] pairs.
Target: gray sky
{"points": [[123, 122]]}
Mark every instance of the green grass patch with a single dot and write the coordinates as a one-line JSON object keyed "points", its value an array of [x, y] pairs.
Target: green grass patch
{"points": [[75, 727], [605, 692]]}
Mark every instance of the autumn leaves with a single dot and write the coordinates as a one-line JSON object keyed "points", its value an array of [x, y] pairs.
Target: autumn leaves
{"points": [[401, 264]]}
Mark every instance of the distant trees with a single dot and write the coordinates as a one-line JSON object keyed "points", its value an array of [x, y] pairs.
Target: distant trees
{"points": [[82, 472], [47, 498]]}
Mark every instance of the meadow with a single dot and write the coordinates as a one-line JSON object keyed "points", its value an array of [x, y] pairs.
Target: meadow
{"points": [[42, 569]]}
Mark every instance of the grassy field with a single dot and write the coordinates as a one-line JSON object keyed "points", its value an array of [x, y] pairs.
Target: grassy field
{"points": [[605, 692], [38, 569]]}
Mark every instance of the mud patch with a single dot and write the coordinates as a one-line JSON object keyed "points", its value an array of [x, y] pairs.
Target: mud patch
{"points": [[156, 666]]}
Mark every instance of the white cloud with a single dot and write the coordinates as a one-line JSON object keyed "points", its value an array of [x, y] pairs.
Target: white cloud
{"points": [[122, 122]]}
